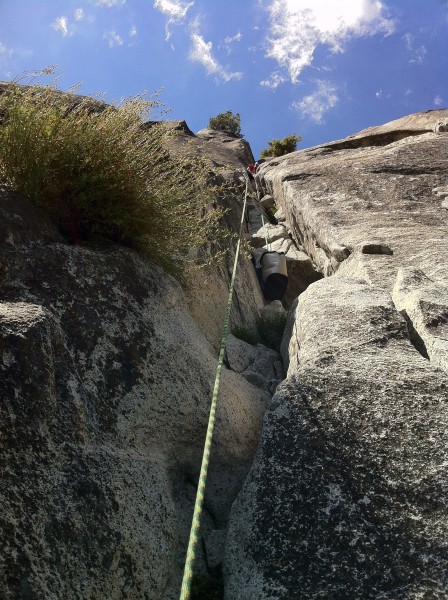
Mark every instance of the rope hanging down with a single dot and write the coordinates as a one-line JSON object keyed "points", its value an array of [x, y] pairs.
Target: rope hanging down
{"points": [[268, 246], [198, 505]]}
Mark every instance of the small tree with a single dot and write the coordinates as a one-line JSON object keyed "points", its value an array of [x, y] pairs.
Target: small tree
{"points": [[280, 147], [227, 121]]}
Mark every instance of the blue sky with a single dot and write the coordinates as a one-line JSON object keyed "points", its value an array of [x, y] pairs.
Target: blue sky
{"points": [[323, 69]]}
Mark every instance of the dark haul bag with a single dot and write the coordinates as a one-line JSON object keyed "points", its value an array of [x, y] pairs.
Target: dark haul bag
{"points": [[274, 275]]}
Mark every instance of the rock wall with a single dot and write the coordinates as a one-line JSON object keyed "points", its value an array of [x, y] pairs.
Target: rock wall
{"points": [[347, 494], [228, 157], [107, 369]]}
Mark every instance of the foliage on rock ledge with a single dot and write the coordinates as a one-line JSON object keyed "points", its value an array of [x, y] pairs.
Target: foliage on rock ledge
{"points": [[281, 147], [102, 172], [269, 331], [227, 122]]}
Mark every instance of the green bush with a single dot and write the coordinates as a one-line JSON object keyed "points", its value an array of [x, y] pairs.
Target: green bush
{"points": [[269, 332], [227, 121], [280, 147], [251, 336], [103, 172]]}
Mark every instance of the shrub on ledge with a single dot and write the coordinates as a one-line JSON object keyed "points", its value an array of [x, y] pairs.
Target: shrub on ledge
{"points": [[227, 122], [281, 147], [101, 173]]}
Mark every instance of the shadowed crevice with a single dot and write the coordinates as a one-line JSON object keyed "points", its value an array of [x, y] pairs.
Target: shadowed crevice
{"points": [[415, 338]]}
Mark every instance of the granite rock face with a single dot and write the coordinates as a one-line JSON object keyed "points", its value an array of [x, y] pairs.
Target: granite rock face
{"points": [[228, 157], [368, 208], [258, 364], [107, 368], [106, 384], [424, 304], [347, 496]]}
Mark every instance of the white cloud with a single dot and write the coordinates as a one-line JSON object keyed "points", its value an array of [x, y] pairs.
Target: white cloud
{"points": [[79, 14], [275, 79], [201, 52], [438, 101], [228, 41], [299, 26], [61, 25], [5, 54], [175, 10], [315, 105], [382, 96], [418, 53], [409, 92], [110, 3], [408, 39], [112, 38], [4, 51], [133, 31], [419, 56], [236, 38]]}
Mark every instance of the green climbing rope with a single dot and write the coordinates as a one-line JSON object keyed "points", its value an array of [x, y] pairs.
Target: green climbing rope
{"points": [[198, 505]]}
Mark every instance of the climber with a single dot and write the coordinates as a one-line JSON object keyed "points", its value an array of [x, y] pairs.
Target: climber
{"points": [[251, 170]]}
